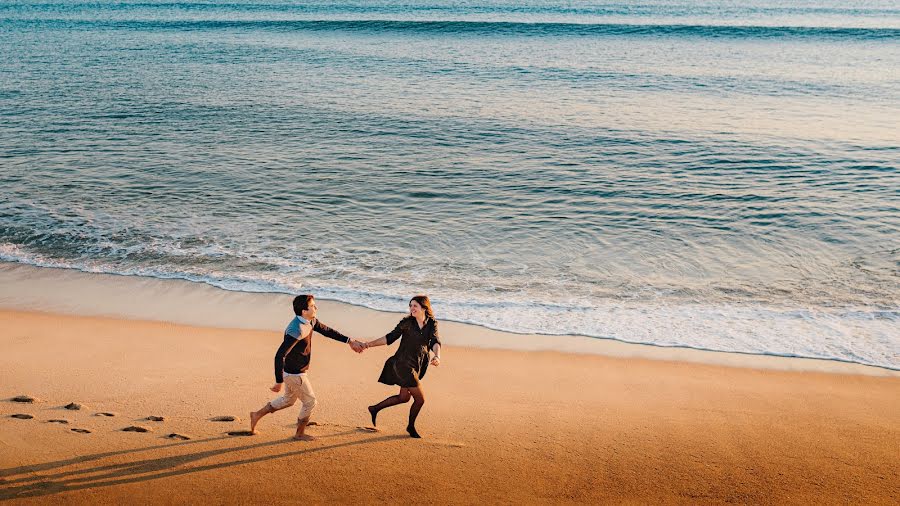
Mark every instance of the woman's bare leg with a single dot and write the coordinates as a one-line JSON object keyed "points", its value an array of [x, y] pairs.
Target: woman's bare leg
{"points": [[393, 400], [418, 401]]}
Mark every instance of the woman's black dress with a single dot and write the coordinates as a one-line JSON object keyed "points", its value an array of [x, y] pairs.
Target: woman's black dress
{"points": [[409, 363]]}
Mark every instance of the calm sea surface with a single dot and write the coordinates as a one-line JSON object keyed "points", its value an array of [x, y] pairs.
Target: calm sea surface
{"points": [[713, 174]]}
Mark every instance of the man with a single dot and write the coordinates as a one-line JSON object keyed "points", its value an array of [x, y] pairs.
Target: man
{"points": [[292, 361]]}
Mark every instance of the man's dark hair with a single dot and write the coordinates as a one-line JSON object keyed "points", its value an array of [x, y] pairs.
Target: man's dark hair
{"points": [[301, 302]]}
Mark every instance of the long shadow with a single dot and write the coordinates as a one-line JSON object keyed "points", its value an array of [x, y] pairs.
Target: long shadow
{"points": [[86, 458], [120, 474], [142, 463], [137, 463]]}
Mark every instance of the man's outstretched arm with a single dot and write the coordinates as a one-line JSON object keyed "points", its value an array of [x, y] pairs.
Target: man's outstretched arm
{"points": [[329, 332]]}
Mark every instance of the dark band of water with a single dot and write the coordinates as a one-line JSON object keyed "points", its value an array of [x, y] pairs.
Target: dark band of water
{"points": [[492, 28]]}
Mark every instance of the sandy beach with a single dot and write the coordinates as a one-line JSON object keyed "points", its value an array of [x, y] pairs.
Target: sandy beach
{"points": [[500, 426], [657, 241]]}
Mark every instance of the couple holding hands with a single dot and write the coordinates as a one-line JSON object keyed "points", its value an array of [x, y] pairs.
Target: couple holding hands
{"points": [[418, 336]]}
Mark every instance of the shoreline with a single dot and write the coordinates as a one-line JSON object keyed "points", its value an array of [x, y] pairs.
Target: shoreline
{"points": [[54, 290], [75, 292]]}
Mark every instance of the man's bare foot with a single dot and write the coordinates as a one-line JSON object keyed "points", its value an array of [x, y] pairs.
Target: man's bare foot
{"points": [[304, 437], [254, 419]]}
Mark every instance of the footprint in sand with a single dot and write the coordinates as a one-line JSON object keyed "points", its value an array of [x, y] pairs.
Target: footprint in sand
{"points": [[224, 418], [241, 433], [81, 431], [136, 428], [24, 398], [58, 420], [368, 429], [450, 444], [105, 413], [74, 406], [180, 437], [153, 418], [22, 416]]}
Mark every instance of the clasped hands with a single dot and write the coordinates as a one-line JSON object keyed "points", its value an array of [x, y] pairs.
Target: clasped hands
{"points": [[358, 346]]}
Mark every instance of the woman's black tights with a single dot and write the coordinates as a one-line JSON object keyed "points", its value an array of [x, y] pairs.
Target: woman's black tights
{"points": [[403, 397]]}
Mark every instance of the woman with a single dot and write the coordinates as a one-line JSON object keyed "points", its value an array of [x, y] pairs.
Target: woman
{"points": [[418, 334]]}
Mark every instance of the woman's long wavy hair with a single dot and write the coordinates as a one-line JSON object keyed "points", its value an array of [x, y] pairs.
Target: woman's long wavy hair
{"points": [[425, 302]]}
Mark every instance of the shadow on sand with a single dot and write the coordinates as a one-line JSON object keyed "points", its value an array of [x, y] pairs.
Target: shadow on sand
{"points": [[137, 470]]}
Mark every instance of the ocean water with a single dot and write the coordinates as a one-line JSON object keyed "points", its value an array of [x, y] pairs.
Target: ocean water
{"points": [[710, 174]]}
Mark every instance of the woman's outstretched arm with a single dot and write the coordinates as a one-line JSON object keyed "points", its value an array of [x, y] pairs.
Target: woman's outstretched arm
{"points": [[389, 338], [381, 341]]}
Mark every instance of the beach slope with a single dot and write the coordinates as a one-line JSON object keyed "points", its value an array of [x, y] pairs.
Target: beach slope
{"points": [[500, 426]]}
